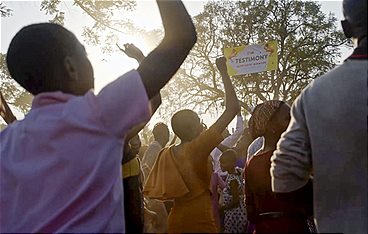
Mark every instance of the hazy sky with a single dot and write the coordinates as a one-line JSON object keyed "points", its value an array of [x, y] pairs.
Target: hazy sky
{"points": [[107, 68]]}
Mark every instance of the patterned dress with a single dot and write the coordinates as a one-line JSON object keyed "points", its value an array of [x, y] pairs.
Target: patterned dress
{"points": [[235, 219]]}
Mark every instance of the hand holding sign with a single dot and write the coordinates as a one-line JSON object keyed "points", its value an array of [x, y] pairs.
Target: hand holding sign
{"points": [[251, 58]]}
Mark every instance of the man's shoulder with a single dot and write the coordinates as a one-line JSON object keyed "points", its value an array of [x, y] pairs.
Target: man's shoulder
{"points": [[349, 71], [346, 78]]}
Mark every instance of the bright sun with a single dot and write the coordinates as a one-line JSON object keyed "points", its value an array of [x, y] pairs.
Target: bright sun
{"points": [[109, 67]]}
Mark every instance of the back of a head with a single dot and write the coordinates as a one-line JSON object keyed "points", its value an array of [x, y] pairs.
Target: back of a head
{"points": [[261, 115], [355, 12], [35, 56], [229, 155], [161, 131], [184, 122]]}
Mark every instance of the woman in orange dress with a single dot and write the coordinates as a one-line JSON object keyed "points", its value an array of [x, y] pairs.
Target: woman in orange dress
{"points": [[183, 172]]}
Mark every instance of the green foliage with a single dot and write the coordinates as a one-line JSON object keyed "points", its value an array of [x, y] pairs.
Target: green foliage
{"points": [[13, 93], [107, 23], [308, 40], [103, 33], [5, 12]]}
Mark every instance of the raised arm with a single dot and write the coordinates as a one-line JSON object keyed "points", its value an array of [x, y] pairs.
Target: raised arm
{"points": [[134, 52], [231, 101], [164, 61]]}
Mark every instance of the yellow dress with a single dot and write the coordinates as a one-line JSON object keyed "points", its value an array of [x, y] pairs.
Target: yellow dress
{"points": [[186, 177]]}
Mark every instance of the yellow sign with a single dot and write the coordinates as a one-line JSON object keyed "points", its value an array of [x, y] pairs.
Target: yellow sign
{"points": [[251, 58]]}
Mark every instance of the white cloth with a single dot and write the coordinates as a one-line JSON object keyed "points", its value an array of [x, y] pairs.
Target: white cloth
{"points": [[254, 147], [229, 142], [151, 153]]}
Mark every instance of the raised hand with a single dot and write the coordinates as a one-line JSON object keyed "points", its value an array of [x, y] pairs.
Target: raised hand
{"points": [[231, 101], [165, 60], [221, 64], [132, 51]]}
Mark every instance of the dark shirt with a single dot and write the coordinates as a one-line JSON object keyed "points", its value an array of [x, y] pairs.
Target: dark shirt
{"points": [[133, 198], [260, 198]]}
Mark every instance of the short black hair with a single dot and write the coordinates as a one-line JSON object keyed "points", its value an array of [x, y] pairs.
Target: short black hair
{"points": [[36, 54], [230, 155], [160, 129], [355, 11], [181, 122]]}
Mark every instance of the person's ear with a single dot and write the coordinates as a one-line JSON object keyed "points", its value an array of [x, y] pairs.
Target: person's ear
{"points": [[70, 68], [347, 28]]}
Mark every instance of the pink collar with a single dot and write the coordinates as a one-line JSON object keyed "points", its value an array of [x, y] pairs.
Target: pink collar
{"points": [[48, 98]]}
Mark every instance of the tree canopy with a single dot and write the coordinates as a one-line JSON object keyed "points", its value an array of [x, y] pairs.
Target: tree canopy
{"points": [[101, 33], [308, 45]]}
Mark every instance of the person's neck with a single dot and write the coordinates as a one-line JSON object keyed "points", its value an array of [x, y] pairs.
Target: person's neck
{"points": [[362, 43], [270, 143], [185, 140]]}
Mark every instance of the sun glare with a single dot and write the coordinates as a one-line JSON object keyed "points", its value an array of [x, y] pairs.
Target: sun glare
{"points": [[109, 67]]}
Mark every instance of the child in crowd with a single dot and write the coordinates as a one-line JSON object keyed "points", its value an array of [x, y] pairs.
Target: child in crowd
{"points": [[132, 184], [183, 172], [235, 218], [161, 137], [60, 166], [217, 185]]}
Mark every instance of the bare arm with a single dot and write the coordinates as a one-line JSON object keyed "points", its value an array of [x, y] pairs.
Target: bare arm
{"points": [[231, 102], [164, 61], [134, 52]]}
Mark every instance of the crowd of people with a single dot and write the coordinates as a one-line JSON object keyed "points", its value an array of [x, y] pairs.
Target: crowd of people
{"points": [[75, 163]]}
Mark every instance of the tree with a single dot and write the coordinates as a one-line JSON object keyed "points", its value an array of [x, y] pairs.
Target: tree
{"points": [[308, 42], [308, 46], [5, 12], [12, 92], [102, 32], [106, 16]]}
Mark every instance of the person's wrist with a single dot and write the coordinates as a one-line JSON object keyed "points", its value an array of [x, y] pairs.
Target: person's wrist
{"points": [[223, 70], [139, 57]]}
